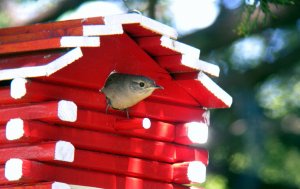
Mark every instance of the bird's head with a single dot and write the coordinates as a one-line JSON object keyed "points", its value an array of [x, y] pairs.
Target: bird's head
{"points": [[143, 86]]}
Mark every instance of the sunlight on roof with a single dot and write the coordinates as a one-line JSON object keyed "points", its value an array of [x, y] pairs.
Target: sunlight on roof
{"points": [[191, 15]]}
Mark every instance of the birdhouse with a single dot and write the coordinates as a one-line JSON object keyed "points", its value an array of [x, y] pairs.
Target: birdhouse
{"points": [[55, 131]]}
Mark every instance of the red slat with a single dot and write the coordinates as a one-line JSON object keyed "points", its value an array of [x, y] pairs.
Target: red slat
{"points": [[39, 152], [173, 64], [135, 30], [153, 46], [34, 171], [51, 26], [84, 139], [204, 96], [44, 110], [123, 165], [78, 31], [105, 122], [29, 59], [45, 185], [42, 44]]}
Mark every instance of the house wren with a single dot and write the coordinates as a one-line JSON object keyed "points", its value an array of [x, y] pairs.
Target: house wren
{"points": [[125, 90]]}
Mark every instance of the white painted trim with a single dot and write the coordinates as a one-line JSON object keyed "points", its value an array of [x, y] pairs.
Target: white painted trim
{"points": [[100, 30], [82, 187], [197, 132], [63, 61], [196, 172], [145, 22], [209, 68], [64, 151], [60, 185], [79, 41], [67, 111], [179, 47], [215, 89], [18, 88], [44, 70], [13, 169], [197, 64], [14, 129], [146, 123]]}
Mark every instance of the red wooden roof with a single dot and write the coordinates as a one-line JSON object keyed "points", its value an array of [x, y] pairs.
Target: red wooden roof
{"points": [[127, 43], [53, 104]]}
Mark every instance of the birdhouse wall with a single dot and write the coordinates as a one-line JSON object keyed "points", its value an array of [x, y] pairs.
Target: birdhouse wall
{"points": [[54, 128]]}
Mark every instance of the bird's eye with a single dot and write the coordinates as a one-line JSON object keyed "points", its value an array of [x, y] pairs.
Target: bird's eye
{"points": [[142, 84]]}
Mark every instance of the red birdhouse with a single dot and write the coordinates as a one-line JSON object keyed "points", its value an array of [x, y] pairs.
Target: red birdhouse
{"points": [[55, 132]]}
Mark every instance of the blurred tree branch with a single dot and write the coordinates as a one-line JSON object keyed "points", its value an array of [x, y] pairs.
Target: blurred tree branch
{"points": [[222, 32]]}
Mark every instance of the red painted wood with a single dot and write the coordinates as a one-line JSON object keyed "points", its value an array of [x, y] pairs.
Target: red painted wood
{"points": [[93, 120], [135, 30], [35, 171], [180, 172], [42, 185], [123, 165], [45, 110], [184, 154], [26, 46], [96, 101], [173, 64], [3, 180], [30, 59], [205, 97], [41, 35], [185, 75], [153, 46], [120, 53], [130, 166], [84, 139], [42, 44], [39, 152], [130, 124], [62, 25]]}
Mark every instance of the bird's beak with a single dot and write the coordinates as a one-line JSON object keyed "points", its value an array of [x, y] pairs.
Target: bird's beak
{"points": [[158, 87]]}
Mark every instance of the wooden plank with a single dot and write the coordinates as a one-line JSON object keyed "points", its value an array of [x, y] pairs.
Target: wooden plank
{"points": [[63, 110], [34, 171], [189, 172], [138, 25], [148, 108], [32, 131], [30, 59], [45, 34], [130, 166], [48, 185], [122, 165], [42, 185], [52, 151], [50, 43], [178, 64], [35, 64], [97, 121], [50, 26], [164, 46], [206, 92]]}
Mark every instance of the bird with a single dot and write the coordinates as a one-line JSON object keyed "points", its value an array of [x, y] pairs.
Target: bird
{"points": [[123, 91]]}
